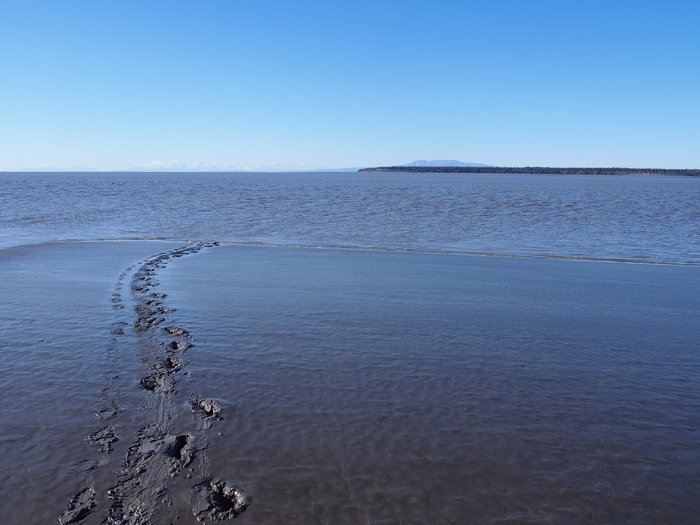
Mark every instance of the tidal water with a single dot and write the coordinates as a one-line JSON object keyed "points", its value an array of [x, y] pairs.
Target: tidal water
{"points": [[424, 388], [644, 219], [342, 355]]}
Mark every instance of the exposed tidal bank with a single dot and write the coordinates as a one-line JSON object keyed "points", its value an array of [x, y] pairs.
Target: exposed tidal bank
{"points": [[423, 388], [156, 383], [128, 435], [164, 447]]}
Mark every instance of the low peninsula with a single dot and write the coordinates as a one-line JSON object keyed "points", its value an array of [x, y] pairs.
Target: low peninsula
{"points": [[496, 170]]}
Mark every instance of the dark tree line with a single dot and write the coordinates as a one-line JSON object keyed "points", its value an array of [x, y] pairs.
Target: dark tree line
{"points": [[537, 170]]}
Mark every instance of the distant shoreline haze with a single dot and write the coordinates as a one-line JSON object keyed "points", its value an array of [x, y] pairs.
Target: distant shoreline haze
{"points": [[415, 167], [536, 170]]}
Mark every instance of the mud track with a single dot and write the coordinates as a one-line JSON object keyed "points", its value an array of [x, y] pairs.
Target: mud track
{"points": [[164, 460]]}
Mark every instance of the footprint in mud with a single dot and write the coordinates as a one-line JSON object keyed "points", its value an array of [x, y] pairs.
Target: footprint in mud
{"points": [[79, 507], [160, 379], [156, 455], [118, 328], [180, 450], [143, 324], [160, 382], [179, 345], [218, 500], [143, 278], [108, 412], [83, 466], [176, 445], [117, 301], [103, 438]]}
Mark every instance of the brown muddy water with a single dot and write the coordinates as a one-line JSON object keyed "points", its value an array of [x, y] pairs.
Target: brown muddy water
{"points": [[148, 382]]}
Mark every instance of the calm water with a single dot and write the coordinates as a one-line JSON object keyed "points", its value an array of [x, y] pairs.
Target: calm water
{"points": [[630, 218], [425, 388], [370, 385]]}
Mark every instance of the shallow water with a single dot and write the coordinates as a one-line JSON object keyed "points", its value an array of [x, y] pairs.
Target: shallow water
{"points": [[645, 219], [61, 365], [407, 388], [355, 387]]}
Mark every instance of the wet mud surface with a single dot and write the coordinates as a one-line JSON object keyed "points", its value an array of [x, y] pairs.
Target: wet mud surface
{"points": [[384, 388], [292, 386], [79, 507], [163, 468]]}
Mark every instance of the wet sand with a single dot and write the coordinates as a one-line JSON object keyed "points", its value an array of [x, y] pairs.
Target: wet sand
{"points": [[156, 382]]}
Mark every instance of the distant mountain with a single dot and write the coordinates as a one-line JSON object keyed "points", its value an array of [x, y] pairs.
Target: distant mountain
{"points": [[428, 163]]}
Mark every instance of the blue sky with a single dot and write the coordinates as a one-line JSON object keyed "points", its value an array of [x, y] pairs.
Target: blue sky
{"points": [[309, 84]]}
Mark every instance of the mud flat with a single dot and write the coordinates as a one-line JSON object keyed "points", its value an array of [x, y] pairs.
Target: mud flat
{"points": [[365, 387], [101, 427], [154, 382]]}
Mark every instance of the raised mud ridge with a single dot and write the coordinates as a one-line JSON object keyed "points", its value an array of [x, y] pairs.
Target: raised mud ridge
{"points": [[166, 457]]}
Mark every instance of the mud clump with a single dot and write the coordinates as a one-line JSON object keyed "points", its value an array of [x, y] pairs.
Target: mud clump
{"points": [[179, 345], [103, 438], [144, 311], [79, 507], [176, 330], [209, 407], [143, 284], [149, 383], [219, 500], [170, 365]]}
